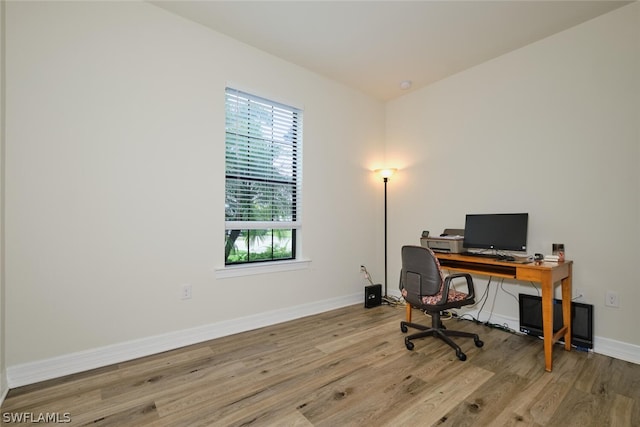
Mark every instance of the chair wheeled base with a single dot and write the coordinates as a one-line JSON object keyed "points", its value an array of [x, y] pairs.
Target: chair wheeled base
{"points": [[438, 330]]}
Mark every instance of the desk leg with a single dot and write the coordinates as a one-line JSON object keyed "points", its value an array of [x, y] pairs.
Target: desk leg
{"points": [[408, 312], [547, 321], [547, 316], [566, 309]]}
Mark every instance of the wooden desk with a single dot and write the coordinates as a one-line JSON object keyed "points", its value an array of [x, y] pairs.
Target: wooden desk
{"points": [[545, 273]]}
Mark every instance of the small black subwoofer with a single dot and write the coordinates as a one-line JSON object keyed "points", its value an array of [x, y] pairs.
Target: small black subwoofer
{"points": [[372, 296]]}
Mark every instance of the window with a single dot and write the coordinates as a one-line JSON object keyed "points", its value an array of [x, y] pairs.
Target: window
{"points": [[263, 176]]}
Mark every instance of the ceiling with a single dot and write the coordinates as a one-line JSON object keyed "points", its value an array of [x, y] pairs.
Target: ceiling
{"points": [[373, 46]]}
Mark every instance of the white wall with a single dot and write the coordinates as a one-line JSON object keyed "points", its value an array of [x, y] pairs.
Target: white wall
{"points": [[115, 179], [551, 129], [3, 373]]}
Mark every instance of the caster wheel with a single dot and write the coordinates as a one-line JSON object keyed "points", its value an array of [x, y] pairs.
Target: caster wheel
{"points": [[403, 328], [479, 343], [461, 356], [409, 345]]}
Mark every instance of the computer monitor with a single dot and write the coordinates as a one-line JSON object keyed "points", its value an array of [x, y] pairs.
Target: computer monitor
{"points": [[504, 231], [581, 319]]}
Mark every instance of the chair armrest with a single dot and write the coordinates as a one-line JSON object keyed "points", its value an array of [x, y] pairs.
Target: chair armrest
{"points": [[447, 283]]}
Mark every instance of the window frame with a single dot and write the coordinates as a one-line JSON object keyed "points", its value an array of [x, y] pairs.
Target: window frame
{"points": [[287, 146]]}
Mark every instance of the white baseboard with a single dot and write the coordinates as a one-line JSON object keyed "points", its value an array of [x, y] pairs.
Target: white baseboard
{"points": [[605, 346], [3, 394], [617, 349], [33, 372]]}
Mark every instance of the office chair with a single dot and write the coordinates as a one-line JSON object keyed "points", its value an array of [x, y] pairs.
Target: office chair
{"points": [[423, 286]]}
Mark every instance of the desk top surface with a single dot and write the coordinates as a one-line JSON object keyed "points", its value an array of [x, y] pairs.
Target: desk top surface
{"points": [[542, 265]]}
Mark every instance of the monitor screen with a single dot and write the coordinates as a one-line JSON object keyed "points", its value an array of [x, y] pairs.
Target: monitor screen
{"points": [[507, 231]]}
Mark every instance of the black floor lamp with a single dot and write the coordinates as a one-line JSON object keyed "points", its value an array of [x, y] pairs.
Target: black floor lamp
{"points": [[385, 174]]}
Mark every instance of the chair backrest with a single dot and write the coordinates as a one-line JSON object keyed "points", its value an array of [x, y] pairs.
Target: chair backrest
{"points": [[420, 274]]}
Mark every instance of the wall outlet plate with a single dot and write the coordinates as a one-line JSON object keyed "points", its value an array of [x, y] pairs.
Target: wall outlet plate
{"points": [[612, 299], [185, 291]]}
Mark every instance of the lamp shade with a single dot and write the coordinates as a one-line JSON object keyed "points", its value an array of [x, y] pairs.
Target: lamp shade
{"points": [[386, 173]]}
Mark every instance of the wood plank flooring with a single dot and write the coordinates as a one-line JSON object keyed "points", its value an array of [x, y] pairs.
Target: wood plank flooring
{"points": [[347, 367]]}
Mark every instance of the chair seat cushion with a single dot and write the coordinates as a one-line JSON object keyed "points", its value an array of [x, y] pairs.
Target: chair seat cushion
{"points": [[436, 299]]}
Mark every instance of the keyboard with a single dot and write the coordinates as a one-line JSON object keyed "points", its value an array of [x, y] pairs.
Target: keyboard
{"points": [[497, 257], [479, 255]]}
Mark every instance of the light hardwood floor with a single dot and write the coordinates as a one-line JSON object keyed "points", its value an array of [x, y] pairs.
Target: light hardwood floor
{"points": [[347, 367]]}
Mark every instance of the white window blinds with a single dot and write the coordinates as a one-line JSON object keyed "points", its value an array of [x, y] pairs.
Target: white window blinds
{"points": [[263, 163]]}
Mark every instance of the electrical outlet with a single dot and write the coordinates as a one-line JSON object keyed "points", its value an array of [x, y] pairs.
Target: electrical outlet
{"points": [[579, 293], [611, 299], [185, 291]]}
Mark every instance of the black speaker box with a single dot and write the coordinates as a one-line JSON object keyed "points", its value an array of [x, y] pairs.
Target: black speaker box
{"points": [[372, 296]]}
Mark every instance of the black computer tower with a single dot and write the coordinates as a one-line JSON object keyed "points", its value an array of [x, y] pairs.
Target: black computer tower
{"points": [[372, 296]]}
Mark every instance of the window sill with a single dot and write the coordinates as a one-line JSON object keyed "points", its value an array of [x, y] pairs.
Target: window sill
{"points": [[260, 268]]}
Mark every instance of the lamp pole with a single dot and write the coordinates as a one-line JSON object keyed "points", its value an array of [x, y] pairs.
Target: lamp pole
{"points": [[385, 236], [385, 173]]}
